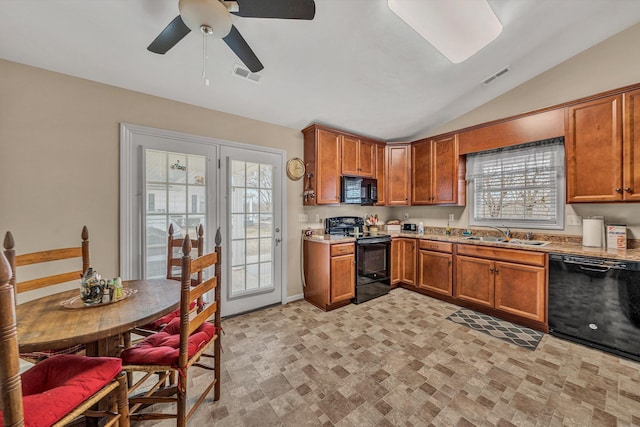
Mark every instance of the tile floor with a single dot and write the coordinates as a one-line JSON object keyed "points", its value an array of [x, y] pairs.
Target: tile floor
{"points": [[396, 361]]}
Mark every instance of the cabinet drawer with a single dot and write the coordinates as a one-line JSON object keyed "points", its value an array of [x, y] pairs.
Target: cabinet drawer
{"points": [[342, 249], [513, 255], [432, 245]]}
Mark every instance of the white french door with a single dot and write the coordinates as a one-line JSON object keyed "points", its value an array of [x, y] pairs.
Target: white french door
{"points": [[171, 178], [252, 229]]}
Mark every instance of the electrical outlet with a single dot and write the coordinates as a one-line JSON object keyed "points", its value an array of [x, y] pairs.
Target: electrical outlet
{"points": [[303, 218], [574, 220], [451, 217], [406, 215]]}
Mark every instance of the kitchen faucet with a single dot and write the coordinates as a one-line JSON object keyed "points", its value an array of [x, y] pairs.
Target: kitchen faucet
{"points": [[506, 231]]}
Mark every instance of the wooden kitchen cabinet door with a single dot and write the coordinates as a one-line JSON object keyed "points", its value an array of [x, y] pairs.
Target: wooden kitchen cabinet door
{"points": [[593, 147], [421, 175], [327, 167], [380, 175], [474, 280], [398, 174], [631, 146], [396, 266], [435, 272], [444, 168], [358, 157], [408, 261], [521, 290], [343, 273]]}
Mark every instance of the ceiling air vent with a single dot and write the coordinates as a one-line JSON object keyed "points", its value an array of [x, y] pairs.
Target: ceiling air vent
{"points": [[496, 75], [240, 71]]}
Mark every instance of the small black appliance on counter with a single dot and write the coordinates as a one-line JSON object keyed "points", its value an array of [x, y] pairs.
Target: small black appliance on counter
{"points": [[409, 227]]}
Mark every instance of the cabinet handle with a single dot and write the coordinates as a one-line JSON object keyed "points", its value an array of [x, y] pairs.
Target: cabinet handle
{"points": [[491, 270], [618, 190], [627, 189], [497, 271]]}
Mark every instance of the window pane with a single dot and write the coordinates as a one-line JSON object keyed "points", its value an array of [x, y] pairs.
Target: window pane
{"points": [[237, 252], [237, 200], [237, 173], [265, 275], [177, 168], [252, 201], [253, 173], [266, 226], [196, 170], [237, 279], [253, 277], [266, 205], [237, 226], [265, 250], [266, 176], [197, 200], [253, 250], [177, 199], [156, 166]]}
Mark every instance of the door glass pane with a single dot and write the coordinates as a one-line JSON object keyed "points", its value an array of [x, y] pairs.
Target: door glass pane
{"points": [[175, 195], [252, 227]]}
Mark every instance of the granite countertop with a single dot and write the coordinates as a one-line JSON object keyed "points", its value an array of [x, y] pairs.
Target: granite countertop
{"points": [[562, 247]]}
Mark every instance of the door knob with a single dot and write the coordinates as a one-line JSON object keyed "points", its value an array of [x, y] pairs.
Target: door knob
{"points": [[618, 190], [627, 189]]}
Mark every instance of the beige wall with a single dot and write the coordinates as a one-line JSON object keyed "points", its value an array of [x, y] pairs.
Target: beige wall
{"points": [[59, 145]]}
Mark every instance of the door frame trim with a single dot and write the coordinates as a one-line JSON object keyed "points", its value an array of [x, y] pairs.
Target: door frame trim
{"points": [[130, 207]]}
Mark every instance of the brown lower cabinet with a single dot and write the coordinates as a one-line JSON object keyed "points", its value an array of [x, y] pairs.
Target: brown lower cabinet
{"points": [[403, 261], [329, 273], [435, 267], [508, 283]]}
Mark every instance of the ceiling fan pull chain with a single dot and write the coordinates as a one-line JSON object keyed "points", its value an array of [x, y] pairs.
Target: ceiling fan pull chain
{"points": [[204, 59]]}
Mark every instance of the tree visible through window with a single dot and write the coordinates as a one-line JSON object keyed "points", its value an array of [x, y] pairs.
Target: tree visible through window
{"points": [[521, 186]]}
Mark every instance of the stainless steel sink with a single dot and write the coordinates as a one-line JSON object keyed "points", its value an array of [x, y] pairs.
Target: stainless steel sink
{"points": [[511, 241], [485, 238], [529, 242]]}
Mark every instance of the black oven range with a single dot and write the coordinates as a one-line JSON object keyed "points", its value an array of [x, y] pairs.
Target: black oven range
{"points": [[373, 256]]}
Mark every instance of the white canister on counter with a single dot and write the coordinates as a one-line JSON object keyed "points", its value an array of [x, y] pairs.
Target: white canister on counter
{"points": [[593, 232], [420, 228]]}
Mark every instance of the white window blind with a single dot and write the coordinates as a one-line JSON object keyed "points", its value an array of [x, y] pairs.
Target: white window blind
{"points": [[521, 186]]}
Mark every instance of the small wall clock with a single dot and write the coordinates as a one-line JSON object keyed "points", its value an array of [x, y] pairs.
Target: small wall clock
{"points": [[295, 168]]}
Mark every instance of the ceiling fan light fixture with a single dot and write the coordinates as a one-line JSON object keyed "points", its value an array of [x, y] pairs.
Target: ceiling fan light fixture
{"points": [[210, 14], [457, 29]]}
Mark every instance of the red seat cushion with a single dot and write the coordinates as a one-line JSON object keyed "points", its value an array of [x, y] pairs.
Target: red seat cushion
{"points": [[160, 323], [163, 348], [56, 386]]}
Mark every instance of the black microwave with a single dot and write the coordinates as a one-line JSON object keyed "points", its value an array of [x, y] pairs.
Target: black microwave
{"points": [[358, 191]]}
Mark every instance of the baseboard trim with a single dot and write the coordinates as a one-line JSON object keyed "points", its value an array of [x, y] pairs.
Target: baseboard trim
{"points": [[293, 298]]}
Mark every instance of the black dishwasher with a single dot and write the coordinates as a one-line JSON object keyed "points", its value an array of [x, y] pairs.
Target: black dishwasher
{"points": [[596, 302]]}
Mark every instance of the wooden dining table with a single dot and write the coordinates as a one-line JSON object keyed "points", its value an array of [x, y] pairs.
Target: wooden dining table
{"points": [[45, 323]]}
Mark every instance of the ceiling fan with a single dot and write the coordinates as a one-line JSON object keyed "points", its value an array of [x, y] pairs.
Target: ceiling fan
{"points": [[213, 18]]}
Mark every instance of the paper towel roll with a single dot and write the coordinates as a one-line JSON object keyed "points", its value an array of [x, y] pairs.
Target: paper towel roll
{"points": [[593, 232]]}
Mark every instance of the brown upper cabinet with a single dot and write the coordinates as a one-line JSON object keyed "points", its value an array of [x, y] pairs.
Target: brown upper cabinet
{"points": [[322, 150], [398, 174], [358, 157], [435, 172], [381, 168], [594, 151], [631, 146]]}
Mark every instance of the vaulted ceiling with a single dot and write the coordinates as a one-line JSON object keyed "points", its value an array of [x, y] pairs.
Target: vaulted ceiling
{"points": [[356, 66]]}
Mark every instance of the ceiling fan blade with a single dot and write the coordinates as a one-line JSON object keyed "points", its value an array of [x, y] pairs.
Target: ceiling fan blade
{"points": [[172, 34], [283, 9], [240, 47]]}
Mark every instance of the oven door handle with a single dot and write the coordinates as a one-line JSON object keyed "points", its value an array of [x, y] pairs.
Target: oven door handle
{"points": [[373, 240]]}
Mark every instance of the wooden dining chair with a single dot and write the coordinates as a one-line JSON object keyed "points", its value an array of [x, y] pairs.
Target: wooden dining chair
{"points": [[59, 389], [174, 262], [34, 259], [181, 345]]}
